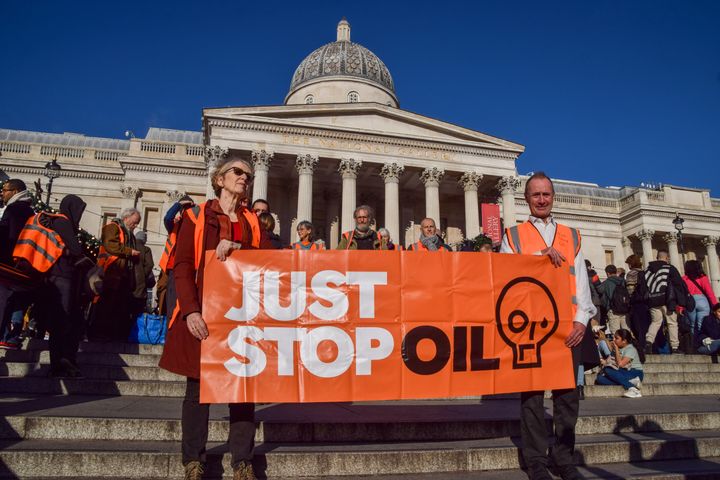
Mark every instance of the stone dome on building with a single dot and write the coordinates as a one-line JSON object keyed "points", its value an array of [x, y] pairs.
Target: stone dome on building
{"points": [[342, 72]]}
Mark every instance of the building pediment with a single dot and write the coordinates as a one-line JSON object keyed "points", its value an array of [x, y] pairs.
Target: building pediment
{"points": [[363, 118]]}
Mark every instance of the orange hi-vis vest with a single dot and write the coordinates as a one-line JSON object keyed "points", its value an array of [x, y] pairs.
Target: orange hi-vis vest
{"points": [[104, 259], [526, 239], [196, 215], [39, 245], [308, 246], [418, 246], [167, 259]]}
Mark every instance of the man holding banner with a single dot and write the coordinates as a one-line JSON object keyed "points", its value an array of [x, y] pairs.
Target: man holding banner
{"points": [[541, 235]]}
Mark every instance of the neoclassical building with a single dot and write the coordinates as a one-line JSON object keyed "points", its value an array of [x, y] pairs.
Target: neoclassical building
{"points": [[341, 139]]}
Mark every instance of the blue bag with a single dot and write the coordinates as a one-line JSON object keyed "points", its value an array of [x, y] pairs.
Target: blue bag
{"points": [[149, 329]]}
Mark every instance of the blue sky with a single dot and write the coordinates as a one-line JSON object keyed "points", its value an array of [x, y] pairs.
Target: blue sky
{"points": [[611, 92]]}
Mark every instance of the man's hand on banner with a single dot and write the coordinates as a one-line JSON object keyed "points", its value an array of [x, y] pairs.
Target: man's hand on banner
{"points": [[196, 325], [576, 335], [555, 257], [224, 248]]}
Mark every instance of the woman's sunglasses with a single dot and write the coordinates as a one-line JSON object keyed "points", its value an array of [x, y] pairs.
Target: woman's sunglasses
{"points": [[239, 171]]}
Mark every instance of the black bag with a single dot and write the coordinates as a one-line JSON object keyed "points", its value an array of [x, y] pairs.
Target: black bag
{"points": [[620, 301]]}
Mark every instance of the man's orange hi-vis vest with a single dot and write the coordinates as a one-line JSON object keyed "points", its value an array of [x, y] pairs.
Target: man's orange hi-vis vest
{"points": [[526, 239], [167, 259], [39, 245], [196, 215]]}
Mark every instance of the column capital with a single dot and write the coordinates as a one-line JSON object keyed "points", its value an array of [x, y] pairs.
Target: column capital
{"points": [[469, 181], [625, 241], [431, 176], [645, 234], [175, 195], [670, 238], [391, 172], [130, 191], [508, 184], [261, 159], [710, 241], [213, 153], [305, 164], [349, 167]]}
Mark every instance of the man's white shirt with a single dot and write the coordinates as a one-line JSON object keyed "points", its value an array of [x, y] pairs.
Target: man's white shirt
{"points": [[586, 310]]}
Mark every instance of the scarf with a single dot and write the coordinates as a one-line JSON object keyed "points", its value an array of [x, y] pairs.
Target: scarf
{"points": [[431, 243], [24, 196]]}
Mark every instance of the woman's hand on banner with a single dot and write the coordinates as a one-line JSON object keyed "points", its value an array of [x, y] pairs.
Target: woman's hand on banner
{"points": [[224, 248], [576, 335], [555, 256], [197, 326]]}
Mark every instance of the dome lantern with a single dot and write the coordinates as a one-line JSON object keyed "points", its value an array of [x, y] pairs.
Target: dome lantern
{"points": [[343, 31]]}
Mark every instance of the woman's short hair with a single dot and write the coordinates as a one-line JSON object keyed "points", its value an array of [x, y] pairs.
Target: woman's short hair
{"points": [[129, 212], [267, 221], [221, 168], [634, 261], [305, 224]]}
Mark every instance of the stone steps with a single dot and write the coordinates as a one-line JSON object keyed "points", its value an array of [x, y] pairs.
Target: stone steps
{"points": [[122, 421], [141, 420], [97, 458]]}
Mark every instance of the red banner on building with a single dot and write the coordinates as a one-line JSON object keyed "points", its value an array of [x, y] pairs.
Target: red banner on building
{"points": [[306, 326], [491, 222]]}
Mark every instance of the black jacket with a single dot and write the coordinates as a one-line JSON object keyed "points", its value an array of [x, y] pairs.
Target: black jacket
{"points": [[12, 221], [72, 207], [710, 328], [676, 291]]}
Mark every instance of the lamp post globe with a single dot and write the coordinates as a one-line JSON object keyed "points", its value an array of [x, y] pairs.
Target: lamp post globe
{"points": [[52, 171]]}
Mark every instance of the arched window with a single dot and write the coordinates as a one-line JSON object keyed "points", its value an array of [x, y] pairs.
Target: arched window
{"points": [[309, 100], [353, 97]]}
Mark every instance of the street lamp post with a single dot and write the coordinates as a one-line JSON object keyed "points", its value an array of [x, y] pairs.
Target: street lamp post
{"points": [[52, 171], [678, 222]]}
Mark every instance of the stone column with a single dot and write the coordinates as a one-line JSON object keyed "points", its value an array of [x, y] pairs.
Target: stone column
{"points": [[213, 154], [348, 170], [130, 196], [469, 182], [645, 237], [672, 243], [711, 246], [305, 164], [431, 179], [391, 175], [261, 163], [507, 186], [627, 247]]}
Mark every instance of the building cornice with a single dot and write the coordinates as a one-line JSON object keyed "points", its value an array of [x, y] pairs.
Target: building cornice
{"points": [[199, 172], [259, 126], [67, 173]]}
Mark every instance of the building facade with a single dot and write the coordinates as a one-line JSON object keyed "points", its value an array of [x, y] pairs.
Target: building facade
{"points": [[342, 140]]}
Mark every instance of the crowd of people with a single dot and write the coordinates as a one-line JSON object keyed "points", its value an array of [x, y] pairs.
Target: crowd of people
{"points": [[49, 280]]}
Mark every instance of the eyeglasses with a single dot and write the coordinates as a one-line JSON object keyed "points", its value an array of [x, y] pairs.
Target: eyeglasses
{"points": [[239, 172]]}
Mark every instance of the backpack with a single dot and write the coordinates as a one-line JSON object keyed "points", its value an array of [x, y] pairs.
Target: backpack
{"points": [[657, 284], [620, 301]]}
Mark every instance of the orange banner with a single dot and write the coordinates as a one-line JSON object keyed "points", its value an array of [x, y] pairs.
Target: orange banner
{"points": [[322, 326]]}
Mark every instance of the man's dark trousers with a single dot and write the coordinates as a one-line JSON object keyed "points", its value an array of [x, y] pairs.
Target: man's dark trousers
{"points": [[533, 430]]}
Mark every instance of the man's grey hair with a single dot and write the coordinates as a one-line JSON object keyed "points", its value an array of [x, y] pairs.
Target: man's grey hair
{"points": [[368, 209], [129, 212]]}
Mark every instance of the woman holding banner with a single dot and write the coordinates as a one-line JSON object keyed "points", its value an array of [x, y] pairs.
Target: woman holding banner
{"points": [[224, 225]]}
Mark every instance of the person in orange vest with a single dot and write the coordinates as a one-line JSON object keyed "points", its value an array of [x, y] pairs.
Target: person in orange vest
{"points": [[117, 257], [429, 238], [541, 235], [362, 237], [166, 284], [49, 245], [306, 242], [384, 235], [224, 225]]}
